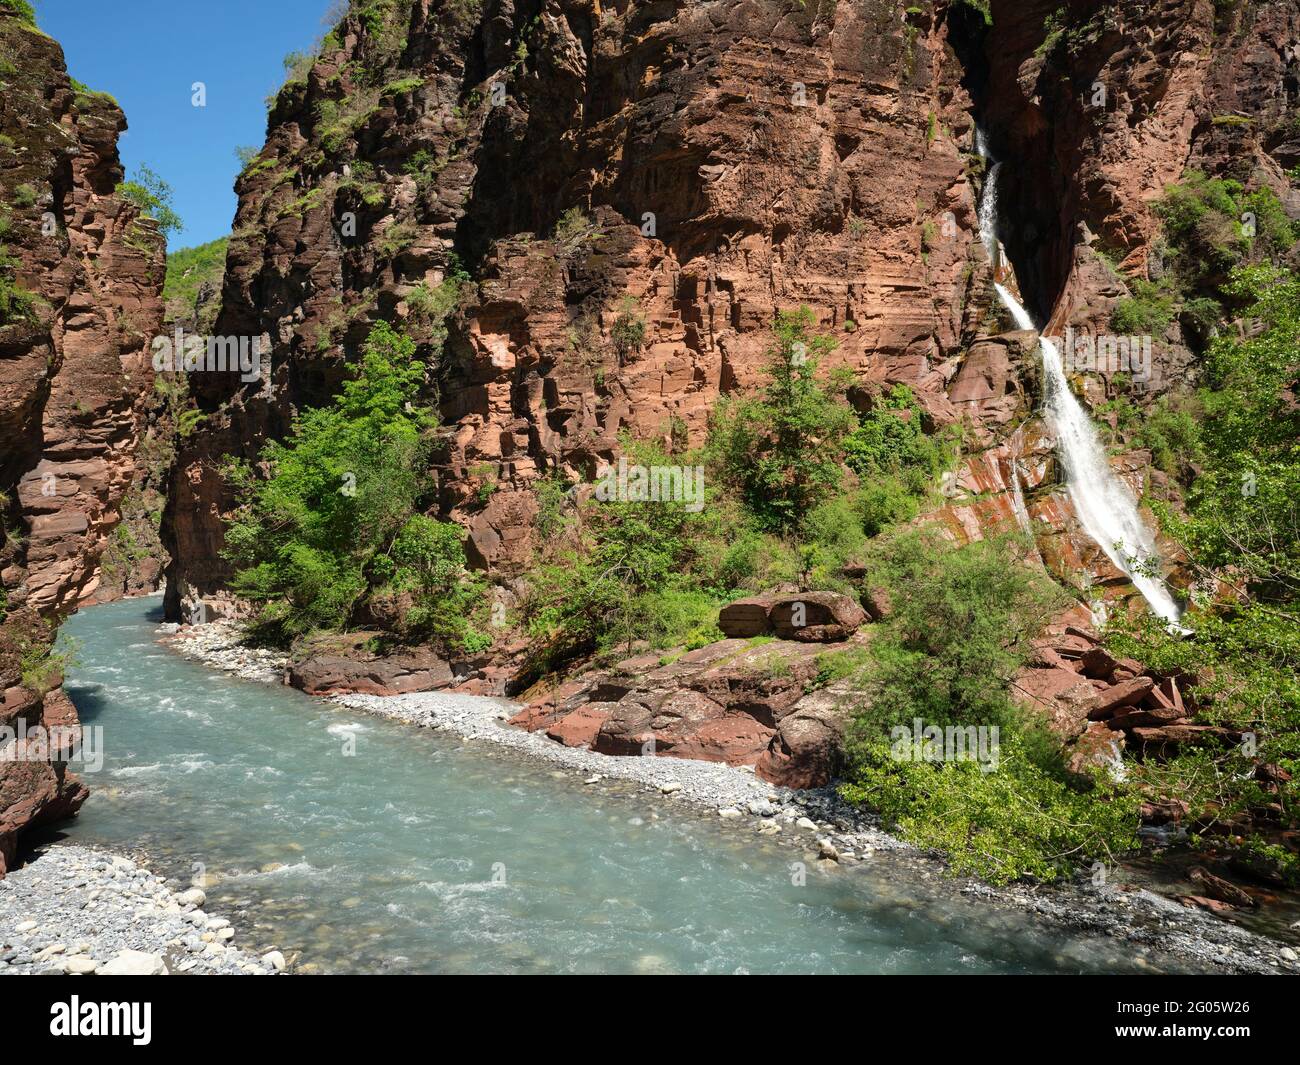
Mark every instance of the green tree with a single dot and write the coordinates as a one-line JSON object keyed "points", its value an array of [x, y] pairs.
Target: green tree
{"points": [[342, 486], [153, 196], [783, 449]]}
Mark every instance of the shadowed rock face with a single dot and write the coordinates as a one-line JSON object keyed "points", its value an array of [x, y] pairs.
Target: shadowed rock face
{"points": [[73, 374]]}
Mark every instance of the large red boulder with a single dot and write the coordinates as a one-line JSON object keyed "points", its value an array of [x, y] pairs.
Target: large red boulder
{"points": [[816, 617]]}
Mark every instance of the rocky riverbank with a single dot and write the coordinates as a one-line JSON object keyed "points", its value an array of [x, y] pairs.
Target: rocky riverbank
{"points": [[815, 822], [77, 911]]}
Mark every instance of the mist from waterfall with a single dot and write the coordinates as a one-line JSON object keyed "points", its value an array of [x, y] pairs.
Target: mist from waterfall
{"points": [[1106, 506]]}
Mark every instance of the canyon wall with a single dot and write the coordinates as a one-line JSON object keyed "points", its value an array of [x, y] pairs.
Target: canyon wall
{"points": [[83, 275], [724, 160], [693, 168]]}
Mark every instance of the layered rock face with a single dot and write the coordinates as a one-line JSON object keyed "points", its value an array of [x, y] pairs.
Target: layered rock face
{"points": [[73, 368], [1102, 109], [727, 160], [637, 189]]}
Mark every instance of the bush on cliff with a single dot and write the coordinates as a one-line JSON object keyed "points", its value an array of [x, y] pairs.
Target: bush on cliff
{"points": [[1241, 533], [342, 489], [22, 8], [782, 450], [153, 196]]}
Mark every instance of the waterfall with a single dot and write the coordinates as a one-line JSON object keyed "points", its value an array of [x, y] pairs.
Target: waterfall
{"points": [[1106, 507]]}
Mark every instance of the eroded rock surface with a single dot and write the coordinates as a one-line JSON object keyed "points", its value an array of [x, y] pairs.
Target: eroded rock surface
{"points": [[73, 369]]}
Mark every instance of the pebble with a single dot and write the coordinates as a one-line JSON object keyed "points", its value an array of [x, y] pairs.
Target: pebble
{"points": [[134, 927]]}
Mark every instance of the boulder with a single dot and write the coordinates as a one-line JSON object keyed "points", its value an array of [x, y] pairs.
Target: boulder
{"points": [[746, 618], [345, 664], [1097, 663], [580, 727], [1217, 888], [807, 750], [816, 617], [1166, 739], [1109, 700], [684, 724]]}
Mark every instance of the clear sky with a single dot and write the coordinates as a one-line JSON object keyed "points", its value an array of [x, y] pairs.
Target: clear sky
{"points": [[147, 54]]}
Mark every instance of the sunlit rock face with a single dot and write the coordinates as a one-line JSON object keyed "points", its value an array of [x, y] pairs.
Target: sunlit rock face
{"points": [[698, 167]]}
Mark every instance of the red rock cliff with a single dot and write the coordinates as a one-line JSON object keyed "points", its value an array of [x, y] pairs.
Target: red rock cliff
{"points": [[84, 276], [695, 167]]}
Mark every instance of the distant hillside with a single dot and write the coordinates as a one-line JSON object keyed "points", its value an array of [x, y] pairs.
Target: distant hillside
{"points": [[192, 291]]}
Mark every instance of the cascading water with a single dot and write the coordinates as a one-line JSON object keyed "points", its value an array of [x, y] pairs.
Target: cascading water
{"points": [[1105, 505]]}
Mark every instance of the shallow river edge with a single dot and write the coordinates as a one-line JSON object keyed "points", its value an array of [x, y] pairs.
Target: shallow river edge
{"points": [[816, 823]]}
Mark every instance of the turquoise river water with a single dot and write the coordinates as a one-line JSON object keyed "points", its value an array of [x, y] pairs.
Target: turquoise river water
{"points": [[420, 853]]}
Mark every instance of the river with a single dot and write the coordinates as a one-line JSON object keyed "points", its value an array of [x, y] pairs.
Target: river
{"points": [[420, 853]]}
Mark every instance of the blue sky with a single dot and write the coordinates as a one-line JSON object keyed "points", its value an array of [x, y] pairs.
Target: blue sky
{"points": [[147, 54]]}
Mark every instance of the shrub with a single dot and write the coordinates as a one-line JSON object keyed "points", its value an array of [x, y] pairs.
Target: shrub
{"points": [[427, 557], [23, 9], [782, 450], [1014, 822], [16, 302], [960, 629], [342, 486], [153, 196]]}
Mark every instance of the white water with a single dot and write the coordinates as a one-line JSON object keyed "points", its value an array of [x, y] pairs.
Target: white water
{"points": [[1105, 505]]}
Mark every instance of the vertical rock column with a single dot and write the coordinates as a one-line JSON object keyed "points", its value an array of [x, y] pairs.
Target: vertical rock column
{"points": [[84, 274]]}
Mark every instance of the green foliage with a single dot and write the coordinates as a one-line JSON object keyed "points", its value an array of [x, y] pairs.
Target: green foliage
{"points": [[16, 302], [981, 7], [628, 330], [1147, 312], [575, 229], [1014, 822], [41, 668], [153, 196], [1210, 226], [1242, 535], [782, 450], [1055, 26], [891, 440], [631, 570], [960, 629], [402, 85], [1170, 430], [189, 272], [342, 487], [24, 196], [427, 559], [23, 9]]}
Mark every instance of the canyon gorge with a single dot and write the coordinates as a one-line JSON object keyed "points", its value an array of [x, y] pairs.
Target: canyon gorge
{"points": [[589, 219]]}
